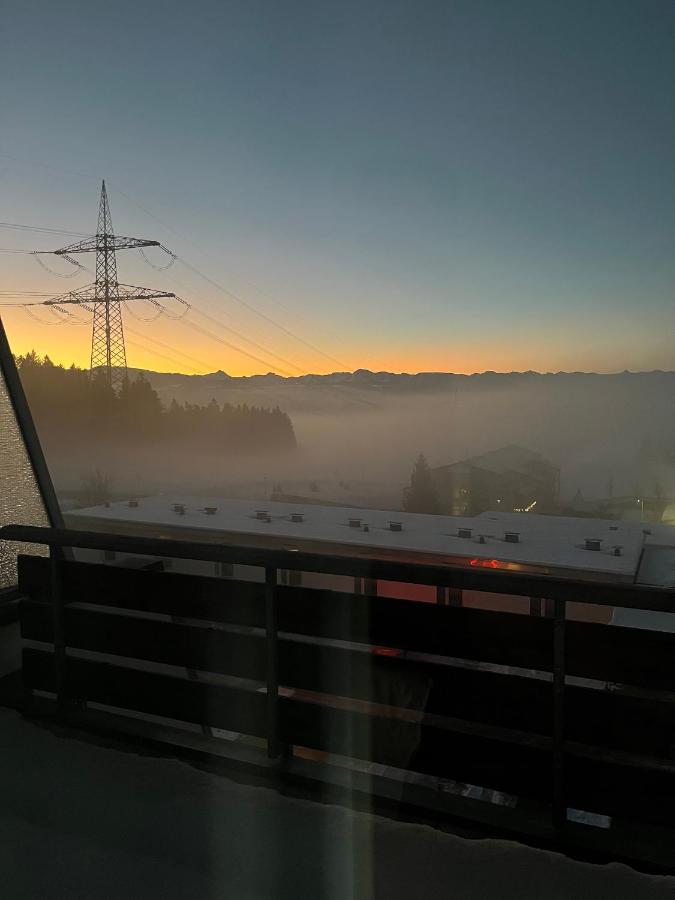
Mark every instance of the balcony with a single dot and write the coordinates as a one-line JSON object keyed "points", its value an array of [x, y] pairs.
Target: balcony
{"points": [[544, 730]]}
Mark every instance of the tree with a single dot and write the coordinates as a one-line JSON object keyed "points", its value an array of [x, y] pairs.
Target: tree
{"points": [[420, 496], [72, 407], [96, 488]]}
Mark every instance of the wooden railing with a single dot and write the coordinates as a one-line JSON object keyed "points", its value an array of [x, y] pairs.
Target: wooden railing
{"points": [[509, 702]]}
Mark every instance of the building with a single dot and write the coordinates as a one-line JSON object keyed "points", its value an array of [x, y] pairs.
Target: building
{"points": [[592, 549], [512, 479]]}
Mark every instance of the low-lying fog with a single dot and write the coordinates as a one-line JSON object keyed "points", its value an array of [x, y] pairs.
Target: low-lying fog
{"points": [[362, 432]]}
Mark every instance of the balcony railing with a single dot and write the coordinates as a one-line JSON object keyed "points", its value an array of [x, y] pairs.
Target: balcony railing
{"points": [[560, 715]]}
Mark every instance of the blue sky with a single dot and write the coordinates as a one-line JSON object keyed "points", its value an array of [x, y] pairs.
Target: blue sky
{"points": [[460, 185]]}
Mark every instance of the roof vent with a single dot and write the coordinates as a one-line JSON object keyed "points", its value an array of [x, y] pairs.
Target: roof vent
{"points": [[613, 527], [593, 543], [297, 517], [262, 514], [179, 508], [464, 532], [210, 510], [396, 526], [133, 503], [512, 537], [366, 528], [617, 550], [481, 538], [355, 523]]}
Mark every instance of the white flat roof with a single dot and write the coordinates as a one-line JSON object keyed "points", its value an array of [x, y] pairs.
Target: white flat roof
{"points": [[544, 541]]}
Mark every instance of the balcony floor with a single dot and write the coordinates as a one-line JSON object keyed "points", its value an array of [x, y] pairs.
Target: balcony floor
{"points": [[79, 820]]}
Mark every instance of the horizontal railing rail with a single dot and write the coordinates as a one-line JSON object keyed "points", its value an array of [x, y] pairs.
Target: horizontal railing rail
{"points": [[551, 587]]}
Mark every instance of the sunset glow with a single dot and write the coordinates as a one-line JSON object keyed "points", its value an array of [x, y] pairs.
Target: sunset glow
{"points": [[165, 349], [340, 214]]}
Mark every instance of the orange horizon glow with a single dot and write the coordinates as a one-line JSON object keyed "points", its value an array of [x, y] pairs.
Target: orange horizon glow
{"points": [[71, 345], [163, 348], [68, 344]]}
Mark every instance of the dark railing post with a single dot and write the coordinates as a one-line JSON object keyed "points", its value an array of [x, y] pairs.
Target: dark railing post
{"points": [[455, 597], [370, 587], [271, 627], [58, 620], [559, 801]]}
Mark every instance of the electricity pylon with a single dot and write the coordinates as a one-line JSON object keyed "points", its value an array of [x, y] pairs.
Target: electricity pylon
{"points": [[104, 298]]}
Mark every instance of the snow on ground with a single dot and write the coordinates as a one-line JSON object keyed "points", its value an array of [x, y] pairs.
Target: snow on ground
{"points": [[84, 821]]}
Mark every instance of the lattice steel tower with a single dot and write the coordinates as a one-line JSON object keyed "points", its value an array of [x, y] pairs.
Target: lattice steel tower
{"points": [[107, 335], [105, 297]]}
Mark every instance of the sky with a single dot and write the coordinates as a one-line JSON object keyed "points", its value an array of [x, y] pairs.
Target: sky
{"points": [[438, 186]]}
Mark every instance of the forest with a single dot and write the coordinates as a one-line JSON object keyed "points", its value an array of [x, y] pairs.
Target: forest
{"points": [[72, 407]]}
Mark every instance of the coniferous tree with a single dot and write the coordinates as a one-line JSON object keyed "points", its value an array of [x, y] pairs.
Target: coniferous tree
{"points": [[420, 496]]}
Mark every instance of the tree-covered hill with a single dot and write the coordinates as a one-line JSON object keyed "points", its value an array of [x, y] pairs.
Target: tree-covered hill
{"points": [[70, 406]]}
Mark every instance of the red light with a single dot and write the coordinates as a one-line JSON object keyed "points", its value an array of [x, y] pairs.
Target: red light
{"points": [[386, 651], [486, 563]]}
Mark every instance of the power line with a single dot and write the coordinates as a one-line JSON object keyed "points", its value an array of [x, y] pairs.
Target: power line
{"points": [[253, 309], [162, 355], [216, 337], [147, 212], [220, 324], [231, 294], [24, 304], [155, 340], [18, 227], [154, 315], [75, 271], [238, 334], [262, 315], [55, 322]]}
